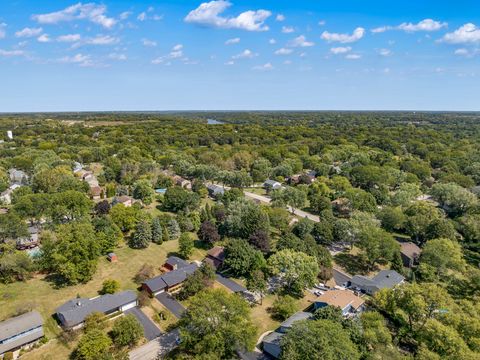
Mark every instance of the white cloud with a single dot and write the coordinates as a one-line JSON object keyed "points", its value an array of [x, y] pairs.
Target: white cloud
{"points": [[280, 17], [28, 32], [176, 53], [118, 57], [272, 41], [287, 62], [232, 41], [44, 38], [466, 52], [149, 43], [468, 33], [102, 40], [340, 50], [209, 14], [10, 53], [384, 52], [357, 34], [245, 54], [142, 16], [287, 29], [283, 51], [91, 12], [322, 23], [424, 25], [80, 59], [3, 32], [69, 38], [125, 15], [265, 67], [353, 56], [300, 41], [462, 52], [230, 62]]}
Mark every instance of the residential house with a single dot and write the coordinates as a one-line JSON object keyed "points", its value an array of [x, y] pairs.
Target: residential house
{"points": [[96, 192], [73, 313], [6, 196], [215, 256], [410, 253], [29, 242], [215, 190], [17, 176], [272, 185], [385, 279], [346, 300], [177, 272], [123, 199], [20, 332], [184, 183], [271, 342]]}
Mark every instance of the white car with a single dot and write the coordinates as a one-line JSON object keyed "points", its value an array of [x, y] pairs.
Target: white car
{"points": [[318, 292]]}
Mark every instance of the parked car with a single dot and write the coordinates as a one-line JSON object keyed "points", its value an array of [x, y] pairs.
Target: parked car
{"points": [[321, 287], [318, 292]]}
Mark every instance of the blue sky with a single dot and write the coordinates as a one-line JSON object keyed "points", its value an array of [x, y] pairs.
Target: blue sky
{"points": [[58, 55]]}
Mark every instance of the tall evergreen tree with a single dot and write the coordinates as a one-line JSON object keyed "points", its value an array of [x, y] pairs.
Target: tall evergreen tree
{"points": [[142, 236], [157, 232]]}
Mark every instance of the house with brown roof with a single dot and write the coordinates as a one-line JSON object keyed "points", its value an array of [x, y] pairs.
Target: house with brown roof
{"points": [[184, 183], [96, 192], [124, 199], [215, 256], [346, 300], [410, 253]]}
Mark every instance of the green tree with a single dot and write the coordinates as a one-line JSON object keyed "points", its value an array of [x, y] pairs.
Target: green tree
{"points": [[125, 217], [93, 345], [320, 339], [142, 236], [443, 255], [157, 231], [216, 323], [296, 270], [173, 228], [244, 218], [178, 199], [283, 307], [142, 190], [242, 259], [257, 283], [110, 286], [126, 331], [202, 278], [186, 245]]}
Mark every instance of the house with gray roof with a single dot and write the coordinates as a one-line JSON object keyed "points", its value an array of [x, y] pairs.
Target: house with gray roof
{"points": [[177, 272], [20, 332], [72, 314], [18, 176], [271, 342], [271, 185], [215, 190], [385, 279]]}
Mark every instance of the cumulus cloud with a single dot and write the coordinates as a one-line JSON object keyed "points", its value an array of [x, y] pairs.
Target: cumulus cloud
{"points": [[384, 52], [283, 51], [142, 16], [209, 14], [232, 41], [69, 38], [149, 43], [462, 52], [353, 56], [287, 29], [357, 34], [265, 67], [245, 54], [125, 15], [102, 40], [340, 50], [468, 33], [3, 32], [300, 41], [11, 53], [424, 25], [44, 38], [280, 17], [175, 53], [80, 59], [91, 12], [28, 32], [272, 41]]}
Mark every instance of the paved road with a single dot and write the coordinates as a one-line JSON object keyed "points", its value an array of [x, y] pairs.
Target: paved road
{"points": [[150, 330], [171, 304], [266, 200], [160, 346], [230, 284]]}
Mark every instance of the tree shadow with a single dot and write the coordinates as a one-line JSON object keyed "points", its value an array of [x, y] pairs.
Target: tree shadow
{"points": [[57, 281], [198, 244], [353, 264]]}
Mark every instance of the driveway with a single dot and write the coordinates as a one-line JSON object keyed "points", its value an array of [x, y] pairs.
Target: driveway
{"points": [[230, 284], [150, 330], [171, 304], [160, 346], [341, 278]]}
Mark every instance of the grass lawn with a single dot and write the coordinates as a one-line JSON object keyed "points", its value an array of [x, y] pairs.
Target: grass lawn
{"points": [[41, 295], [256, 190]]}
